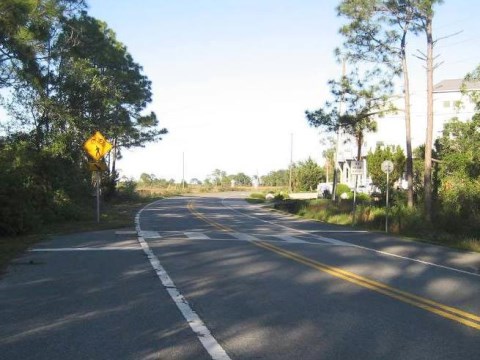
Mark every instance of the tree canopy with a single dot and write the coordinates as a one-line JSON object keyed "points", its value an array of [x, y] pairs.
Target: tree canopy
{"points": [[363, 98], [307, 175], [276, 178], [374, 162], [67, 76], [459, 170]]}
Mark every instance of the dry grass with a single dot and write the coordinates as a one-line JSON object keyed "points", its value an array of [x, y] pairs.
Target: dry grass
{"points": [[117, 214], [406, 223]]}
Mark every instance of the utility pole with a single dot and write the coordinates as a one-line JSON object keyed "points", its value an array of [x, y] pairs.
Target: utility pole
{"points": [[291, 164], [183, 170], [340, 111]]}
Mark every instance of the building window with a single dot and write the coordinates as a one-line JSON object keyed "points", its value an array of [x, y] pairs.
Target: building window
{"points": [[446, 104]]}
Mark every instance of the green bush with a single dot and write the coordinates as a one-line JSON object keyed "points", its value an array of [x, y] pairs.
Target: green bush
{"points": [[280, 196], [407, 220], [363, 198], [38, 187], [260, 196], [403, 220], [370, 216], [398, 197], [343, 188], [127, 188], [291, 206]]}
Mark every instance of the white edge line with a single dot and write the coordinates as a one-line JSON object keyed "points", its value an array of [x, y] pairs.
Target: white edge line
{"points": [[357, 246], [418, 260], [196, 324], [105, 248]]}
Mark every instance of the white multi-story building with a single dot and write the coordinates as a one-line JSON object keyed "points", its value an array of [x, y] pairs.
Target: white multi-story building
{"points": [[449, 102]]}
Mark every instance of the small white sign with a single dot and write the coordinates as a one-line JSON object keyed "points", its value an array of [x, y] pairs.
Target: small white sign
{"points": [[356, 167], [387, 166]]}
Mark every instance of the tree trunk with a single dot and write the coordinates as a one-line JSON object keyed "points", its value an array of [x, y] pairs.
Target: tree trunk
{"points": [[359, 146], [406, 90], [429, 136], [114, 160]]}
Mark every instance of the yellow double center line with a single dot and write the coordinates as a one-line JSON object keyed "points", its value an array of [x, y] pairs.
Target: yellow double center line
{"points": [[445, 311], [200, 216]]}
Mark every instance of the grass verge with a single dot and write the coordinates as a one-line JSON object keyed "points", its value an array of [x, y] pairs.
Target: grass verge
{"points": [[255, 201], [118, 213], [402, 221]]}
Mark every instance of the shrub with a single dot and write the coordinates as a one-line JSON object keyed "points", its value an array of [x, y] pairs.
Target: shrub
{"points": [[343, 188], [128, 187], [363, 198], [371, 216], [260, 196], [406, 220], [398, 197], [280, 196], [291, 206]]}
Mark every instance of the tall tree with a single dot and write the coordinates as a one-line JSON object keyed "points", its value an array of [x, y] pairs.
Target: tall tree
{"points": [[86, 81], [241, 179], [25, 27], [472, 77], [219, 177], [307, 175], [425, 15], [276, 178], [102, 85], [364, 98], [377, 32]]}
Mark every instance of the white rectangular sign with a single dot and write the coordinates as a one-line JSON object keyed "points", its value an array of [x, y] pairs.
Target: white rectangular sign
{"points": [[356, 167]]}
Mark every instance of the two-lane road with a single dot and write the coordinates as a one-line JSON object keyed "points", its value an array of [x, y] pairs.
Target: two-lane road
{"points": [[269, 286], [213, 277]]}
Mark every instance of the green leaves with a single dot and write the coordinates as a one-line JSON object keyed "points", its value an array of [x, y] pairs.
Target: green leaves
{"points": [[363, 98], [472, 77], [374, 162], [69, 77], [307, 175], [459, 169], [458, 149], [276, 178]]}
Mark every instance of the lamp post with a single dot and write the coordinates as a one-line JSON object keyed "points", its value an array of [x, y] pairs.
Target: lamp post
{"points": [[340, 111], [183, 170], [291, 164]]}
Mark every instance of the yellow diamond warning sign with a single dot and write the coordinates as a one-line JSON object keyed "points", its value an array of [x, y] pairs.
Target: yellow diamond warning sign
{"points": [[97, 146]]}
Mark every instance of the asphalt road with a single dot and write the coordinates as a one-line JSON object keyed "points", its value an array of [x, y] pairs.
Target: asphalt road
{"points": [[214, 277]]}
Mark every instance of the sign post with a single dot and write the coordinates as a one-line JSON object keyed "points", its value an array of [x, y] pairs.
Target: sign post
{"points": [[97, 147], [356, 169], [387, 167], [97, 191]]}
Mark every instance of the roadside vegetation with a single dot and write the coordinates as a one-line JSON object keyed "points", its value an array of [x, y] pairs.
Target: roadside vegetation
{"points": [[370, 214], [118, 212], [64, 75], [442, 196]]}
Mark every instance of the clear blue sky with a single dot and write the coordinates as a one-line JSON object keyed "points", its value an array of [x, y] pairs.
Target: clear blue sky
{"points": [[232, 78]]}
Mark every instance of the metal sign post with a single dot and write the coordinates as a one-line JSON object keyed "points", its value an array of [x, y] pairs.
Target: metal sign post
{"points": [[387, 209], [356, 168], [387, 167], [354, 201], [97, 147], [97, 180]]}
